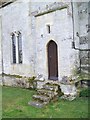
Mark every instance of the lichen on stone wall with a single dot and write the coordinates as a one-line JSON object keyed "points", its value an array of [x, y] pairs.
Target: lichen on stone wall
{"points": [[81, 72], [18, 81], [32, 83], [9, 75]]}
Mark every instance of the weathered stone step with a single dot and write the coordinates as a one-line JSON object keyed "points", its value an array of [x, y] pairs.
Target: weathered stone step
{"points": [[37, 104], [53, 83], [45, 91], [41, 98], [48, 93], [50, 87]]}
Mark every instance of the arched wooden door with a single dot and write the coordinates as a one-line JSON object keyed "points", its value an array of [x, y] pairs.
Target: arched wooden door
{"points": [[52, 61]]}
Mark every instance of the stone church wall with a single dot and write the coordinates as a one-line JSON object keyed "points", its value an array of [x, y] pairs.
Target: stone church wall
{"points": [[16, 18], [61, 32], [82, 39], [28, 18]]}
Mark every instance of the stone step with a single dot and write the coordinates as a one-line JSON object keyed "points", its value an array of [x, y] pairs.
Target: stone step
{"points": [[37, 104], [53, 83], [48, 93], [41, 98], [50, 87]]}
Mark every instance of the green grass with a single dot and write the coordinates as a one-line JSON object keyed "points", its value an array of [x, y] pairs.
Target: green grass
{"points": [[0, 102], [85, 92], [15, 105]]}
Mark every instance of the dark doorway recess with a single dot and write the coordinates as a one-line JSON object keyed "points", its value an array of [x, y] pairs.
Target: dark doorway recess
{"points": [[52, 61]]}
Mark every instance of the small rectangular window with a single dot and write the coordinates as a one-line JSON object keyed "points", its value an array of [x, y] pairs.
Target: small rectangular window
{"points": [[48, 29]]}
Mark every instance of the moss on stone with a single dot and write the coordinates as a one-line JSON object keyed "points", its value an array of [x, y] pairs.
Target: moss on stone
{"points": [[31, 79], [9, 75]]}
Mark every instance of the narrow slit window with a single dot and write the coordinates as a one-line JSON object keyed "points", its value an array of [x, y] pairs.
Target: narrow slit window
{"points": [[20, 47], [48, 29], [14, 48]]}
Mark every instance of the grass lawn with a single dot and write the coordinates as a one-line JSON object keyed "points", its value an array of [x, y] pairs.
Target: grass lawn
{"points": [[15, 105]]}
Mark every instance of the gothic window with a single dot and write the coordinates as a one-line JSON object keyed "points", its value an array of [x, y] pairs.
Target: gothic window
{"points": [[19, 48], [14, 48]]}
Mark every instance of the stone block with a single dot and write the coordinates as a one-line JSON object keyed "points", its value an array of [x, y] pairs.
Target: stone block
{"points": [[68, 89]]}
